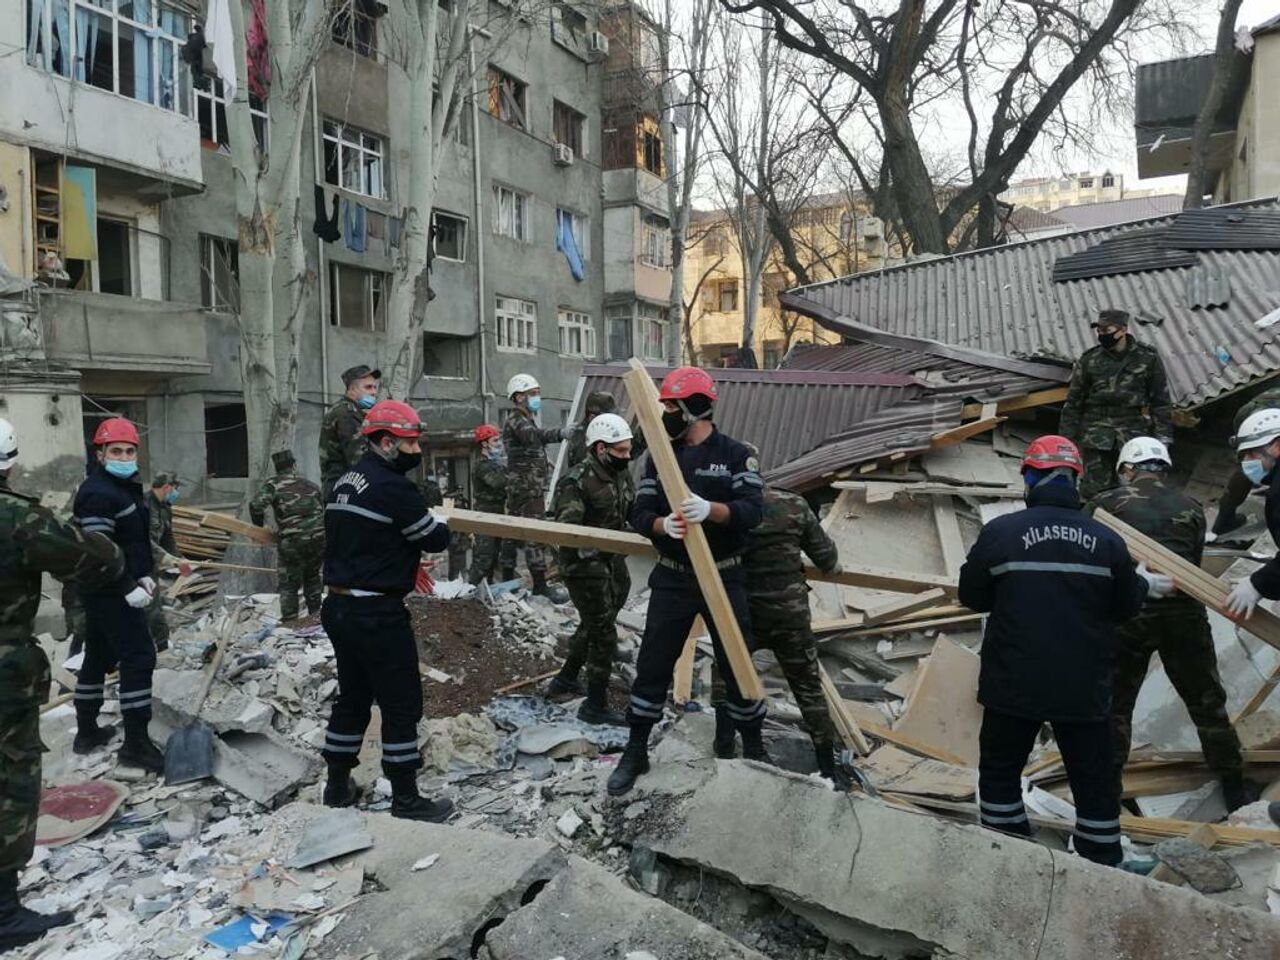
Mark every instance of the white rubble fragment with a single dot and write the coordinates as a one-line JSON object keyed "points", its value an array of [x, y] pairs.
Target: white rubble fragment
{"points": [[426, 862], [569, 823], [308, 902]]}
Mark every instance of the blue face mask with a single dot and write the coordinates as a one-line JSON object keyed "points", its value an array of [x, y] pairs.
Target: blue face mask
{"points": [[124, 469], [367, 401], [1255, 471], [535, 404], [171, 497]]}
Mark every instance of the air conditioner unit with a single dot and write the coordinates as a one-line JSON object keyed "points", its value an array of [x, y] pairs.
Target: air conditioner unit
{"points": [[599, 43], [872, 227], [562, 153]]}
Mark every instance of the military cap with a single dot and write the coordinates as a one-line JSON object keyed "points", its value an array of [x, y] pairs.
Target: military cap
{"points": [[1109, 316], [164, 479], [601, 401], [358, 372], [282, 459]]}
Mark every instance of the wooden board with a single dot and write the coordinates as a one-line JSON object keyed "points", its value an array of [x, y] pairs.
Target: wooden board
{"points": [[648, 410], [1026, 402], [225, 523], [968, 463], [900, 608], [845, 724], [943, 709], [949, 438], [944, 518], [887, 489], [904, 626], [1259, 698], [684, 666], [893, 769]]}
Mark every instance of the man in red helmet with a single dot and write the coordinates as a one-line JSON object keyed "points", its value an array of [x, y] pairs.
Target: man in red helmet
{"points": [[111, 502], [376, 529], [726, 496], [489, 495], [1054, 583]]}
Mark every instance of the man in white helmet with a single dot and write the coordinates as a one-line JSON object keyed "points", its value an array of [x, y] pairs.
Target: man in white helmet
{"points": [[1175, 626], [596, 492], [1258, 448], [528, 470]]}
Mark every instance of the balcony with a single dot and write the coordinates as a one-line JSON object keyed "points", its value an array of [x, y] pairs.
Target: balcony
{"points": [[1167, 101], [107, 331], [633, 185]]}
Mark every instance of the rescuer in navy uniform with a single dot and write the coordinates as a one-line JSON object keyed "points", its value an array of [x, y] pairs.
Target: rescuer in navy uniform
{"points": [[376, 527], [1054, 583]]}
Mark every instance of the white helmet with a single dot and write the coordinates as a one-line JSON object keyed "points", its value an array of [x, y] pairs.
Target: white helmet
{"points": [[608, 427], [521, 383], [1258, 430], [8, 445], [1144, 450]]}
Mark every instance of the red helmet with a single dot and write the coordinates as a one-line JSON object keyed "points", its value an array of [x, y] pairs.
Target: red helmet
{"points": [[1046, 453], [486, 431], [115, 430], [394, 417], [685, 382]]}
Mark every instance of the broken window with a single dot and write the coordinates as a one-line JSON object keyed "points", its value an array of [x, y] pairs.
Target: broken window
{"points": [[353, 159], [511, 213], [569, 28], [115, 260], [516, 325], [507, 98], [226, 440], [450, 236], [211, 113], [579, 226], [357, 298], [219, 273], [577, 335], [653, 331], [446, 357], [569, 127], [649, 147], [355, 26], [618, 320]]}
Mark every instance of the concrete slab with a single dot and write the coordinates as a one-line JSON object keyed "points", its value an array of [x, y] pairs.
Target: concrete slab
{"points": [[896, 884], [589, 914], [175, 691]]}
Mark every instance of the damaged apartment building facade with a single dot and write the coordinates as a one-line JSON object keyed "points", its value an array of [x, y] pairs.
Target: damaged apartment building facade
{"points": [[118, 228]]}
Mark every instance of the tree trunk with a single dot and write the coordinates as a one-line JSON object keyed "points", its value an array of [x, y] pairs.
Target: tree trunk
{"points": [[1224, 58], [912, 186]]}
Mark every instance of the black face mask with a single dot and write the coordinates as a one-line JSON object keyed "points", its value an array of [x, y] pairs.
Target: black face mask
{"points": [[1109, 340], [617, 464], [674, 423], [404, 462]]}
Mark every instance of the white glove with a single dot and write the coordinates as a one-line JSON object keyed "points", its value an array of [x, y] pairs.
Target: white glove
{"points": [[674, 526], [1244, 596], [566, 433], [149, 585], [138, 597], [1158, 585], [694, 509]]}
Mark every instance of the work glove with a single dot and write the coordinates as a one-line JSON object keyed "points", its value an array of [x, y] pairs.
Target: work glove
{"points": [[149, 585], [138, 597], [1158, 584], [675, 526], [566, 433], [1242, 599], [694, 509], [184, 568]]}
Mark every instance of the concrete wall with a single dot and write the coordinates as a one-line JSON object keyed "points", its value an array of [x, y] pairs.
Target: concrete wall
{"points": [[45, 410], [16, 240], [1255, 165]]}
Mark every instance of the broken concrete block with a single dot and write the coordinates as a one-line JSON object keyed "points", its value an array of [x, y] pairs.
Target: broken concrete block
{"points": [[588, 914], [1206, 870], [884, 880], [174, 694], [1260, 730]]}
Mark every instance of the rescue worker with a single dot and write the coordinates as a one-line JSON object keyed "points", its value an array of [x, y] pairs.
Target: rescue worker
{"points": [[725, 496], [1176, 627], [597, 492], [598, 402], [489, 492], [33, 542], [525, 442], [1238, 485], [1053, 583], [1258, 447], [1118, 391], [111, 502], [164, 493], [299, 516], [340, 442], [376, 530]]}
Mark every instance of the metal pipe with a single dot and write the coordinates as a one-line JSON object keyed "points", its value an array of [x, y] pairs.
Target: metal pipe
{"points": [[477, 230]]}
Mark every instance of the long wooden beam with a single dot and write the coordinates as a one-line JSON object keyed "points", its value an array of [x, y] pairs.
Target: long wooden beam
{"points": [[1025, 402]]}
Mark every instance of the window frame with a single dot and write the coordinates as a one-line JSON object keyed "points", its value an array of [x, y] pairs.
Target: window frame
{"points": [[522, 323], [258, 114], [521, 228], [1108, 181], [209, 293], [349, 17], [376, 293], [652, 322], [562, 113], [619, 316], [577, 323], [580, 224], [721, 287], [463, 225], [334, 133], [519, 94], [655, 241]]}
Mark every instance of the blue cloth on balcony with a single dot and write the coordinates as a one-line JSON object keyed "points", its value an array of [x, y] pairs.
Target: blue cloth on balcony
{"points": [[355, 231], [567, 245]]}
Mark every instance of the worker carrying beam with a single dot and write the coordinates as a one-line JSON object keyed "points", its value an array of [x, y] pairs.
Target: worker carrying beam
{"points": [[726, 496], [1258, 448], [597, 402], [376, 529], [1177, 626], [1053, 582]]}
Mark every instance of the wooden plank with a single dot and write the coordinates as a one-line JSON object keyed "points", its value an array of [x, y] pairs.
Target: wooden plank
{"points": [[1259, 698], [225, 523], [905, 625], [912, 744], [648, 410], [953, 552], [943, 710], [1025, 402], [949, 438], [930, 488], [1203, 836], [684, 666], [844, 721], [900, 608], [851, 622]]}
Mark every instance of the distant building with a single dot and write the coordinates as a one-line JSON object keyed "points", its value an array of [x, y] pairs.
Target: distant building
{"points": [[1049, 193]]}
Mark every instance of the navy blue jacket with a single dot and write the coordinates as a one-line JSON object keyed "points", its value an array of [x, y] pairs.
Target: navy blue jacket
{"points": [[1054, 583], [376, 528], [118, 509], [717, 470], [1267, 578]]}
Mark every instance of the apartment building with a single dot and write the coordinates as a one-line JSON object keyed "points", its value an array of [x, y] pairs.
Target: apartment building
{"points": [[120, 234], [1069, 190]]}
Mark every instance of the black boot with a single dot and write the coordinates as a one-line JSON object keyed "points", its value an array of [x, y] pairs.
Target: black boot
{"points": [[565, 683], [633, 762], [90, 736], [1238, 792], [829, 768], [553, 592], [339, 791], [18, 925], [725, 745], [138, 750], [1226, 523], [408, 804], [595, 709], [753, 747]]}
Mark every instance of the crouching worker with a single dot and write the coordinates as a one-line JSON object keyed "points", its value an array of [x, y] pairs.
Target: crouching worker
{"points": [[376, 529]]}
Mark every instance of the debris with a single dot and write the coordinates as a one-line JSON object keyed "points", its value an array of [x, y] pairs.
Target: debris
{"points": [[461, 744], [70, 812], [246, 931], [425, 862], [333, 835], [569, 823], [1205, 870], [943, 709]]}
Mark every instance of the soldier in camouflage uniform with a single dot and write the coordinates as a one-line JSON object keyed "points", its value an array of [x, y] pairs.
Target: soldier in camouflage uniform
{"points": [[299, 515], [489, 492], [32, 542], [598, 492], [526, 443], [340, 442], [1238, 486], [1176, 627], [598, 402], [164, 492], [1118, 391]]}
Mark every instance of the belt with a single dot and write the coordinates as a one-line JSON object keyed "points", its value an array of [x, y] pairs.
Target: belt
{"points": [[725, 564], [357, 592]]}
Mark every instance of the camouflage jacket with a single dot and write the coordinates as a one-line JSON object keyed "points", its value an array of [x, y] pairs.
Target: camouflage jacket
{"points": [[773, 561], [489, 486], [593, 496], [1115, 397], [296, 504], [1161, 511], [526, 444], [340, 442], [32, 542], [162, 526], [1265, 400], [432, 495], [577, 445]]}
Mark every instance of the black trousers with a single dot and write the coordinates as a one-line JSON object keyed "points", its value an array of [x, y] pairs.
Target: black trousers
{"points": [[377, 663], [1004, 745], [117, 636], [675, 601]]}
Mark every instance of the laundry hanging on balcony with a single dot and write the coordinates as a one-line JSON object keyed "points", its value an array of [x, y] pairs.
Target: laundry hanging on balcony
{"points": [[568, 245]]}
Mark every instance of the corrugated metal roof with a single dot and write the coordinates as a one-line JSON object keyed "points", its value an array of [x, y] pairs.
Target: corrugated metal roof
{"points": [[1088, 216], [1225, 228], [1131, 252], [1003, 301]]}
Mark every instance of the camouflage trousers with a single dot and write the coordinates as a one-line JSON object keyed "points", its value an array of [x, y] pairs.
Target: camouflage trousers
{"points": [[24, 685], [1180, 634], [488, 553], [73, 615], [788, 635], [595, 642], [298, 564], [1099, 472], [157, 625], [535, 554]]}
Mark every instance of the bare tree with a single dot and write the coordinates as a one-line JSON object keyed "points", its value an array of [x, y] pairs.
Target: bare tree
{"points": [[1225, 56]]}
